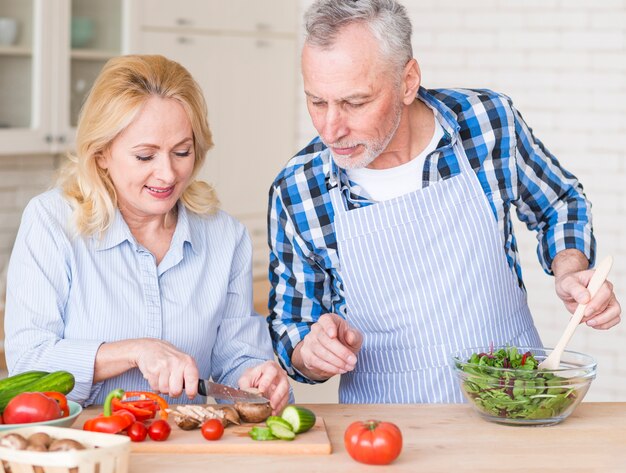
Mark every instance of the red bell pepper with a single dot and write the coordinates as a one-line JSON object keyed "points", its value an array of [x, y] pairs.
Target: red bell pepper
{"points": [[145, 396], [142, 409], [61, 401], [109, 422]]}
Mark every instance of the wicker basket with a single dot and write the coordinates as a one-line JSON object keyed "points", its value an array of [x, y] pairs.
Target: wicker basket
{"points": [[110, 453]]}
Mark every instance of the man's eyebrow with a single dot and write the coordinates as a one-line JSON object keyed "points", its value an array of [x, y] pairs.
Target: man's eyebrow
{"points": [[357, 96]]}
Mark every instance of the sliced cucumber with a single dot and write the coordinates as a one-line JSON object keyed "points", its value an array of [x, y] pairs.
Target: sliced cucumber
{"points": [[261, 433], [281, 432], [278, 421], [300, 418]]}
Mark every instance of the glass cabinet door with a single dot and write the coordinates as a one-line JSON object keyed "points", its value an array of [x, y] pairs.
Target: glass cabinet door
{"points": [[50, 54], [24, 58], [95, 36]]}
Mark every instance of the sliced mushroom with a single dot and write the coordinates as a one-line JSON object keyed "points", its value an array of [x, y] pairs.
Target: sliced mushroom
{"points": [[14, 442], [253, 412], [64, 445], [191, 416], [231, 416]]}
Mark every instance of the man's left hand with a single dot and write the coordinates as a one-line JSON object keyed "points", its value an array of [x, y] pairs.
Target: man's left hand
{"points": [[603, 311]]}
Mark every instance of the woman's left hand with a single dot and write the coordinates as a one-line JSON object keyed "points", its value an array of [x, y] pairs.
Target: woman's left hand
{"points": [[271, 380]]}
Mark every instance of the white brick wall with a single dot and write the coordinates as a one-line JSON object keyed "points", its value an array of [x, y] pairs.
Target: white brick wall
{"points": [[563, 62], [21, 178]]}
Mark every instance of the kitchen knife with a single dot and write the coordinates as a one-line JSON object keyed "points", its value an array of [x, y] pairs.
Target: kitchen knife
{"points": [[227, 393]]}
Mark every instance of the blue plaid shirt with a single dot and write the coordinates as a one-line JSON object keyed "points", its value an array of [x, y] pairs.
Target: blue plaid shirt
{"points": [[513, 167]]}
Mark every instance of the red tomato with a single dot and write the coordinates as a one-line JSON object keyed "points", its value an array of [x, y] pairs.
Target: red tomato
{"points": [[159, 430], [137, 432], [31, 407], [212, 429], [373, 442]]}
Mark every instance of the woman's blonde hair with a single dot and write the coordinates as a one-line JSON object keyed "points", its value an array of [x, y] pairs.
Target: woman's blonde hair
{"points": [[123, 86]]}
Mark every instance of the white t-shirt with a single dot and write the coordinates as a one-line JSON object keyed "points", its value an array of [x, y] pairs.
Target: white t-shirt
{"points": [[385, 184]]}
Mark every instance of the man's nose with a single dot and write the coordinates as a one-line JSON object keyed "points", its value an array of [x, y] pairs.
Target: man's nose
{"points": [[335, 127]]}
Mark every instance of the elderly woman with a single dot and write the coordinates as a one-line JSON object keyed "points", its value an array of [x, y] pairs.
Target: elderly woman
{"points": [[127, 274]]}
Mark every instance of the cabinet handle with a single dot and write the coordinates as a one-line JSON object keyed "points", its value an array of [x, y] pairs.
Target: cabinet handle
{"points": [[263, 26], [184, 40], [48, 139], [183, 22], [61, 139], [262, 43]]}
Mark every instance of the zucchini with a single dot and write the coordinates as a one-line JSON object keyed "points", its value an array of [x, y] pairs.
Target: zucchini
{"points": [[300, 418], [281, 432], [261, 433], [275, 420], [23, 379], [60, 381]]}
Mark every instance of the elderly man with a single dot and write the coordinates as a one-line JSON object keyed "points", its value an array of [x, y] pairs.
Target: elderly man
{"points": [[391, 237]]}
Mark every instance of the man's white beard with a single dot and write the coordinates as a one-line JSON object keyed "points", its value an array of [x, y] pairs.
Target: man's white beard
{"points": [[372, 150]]}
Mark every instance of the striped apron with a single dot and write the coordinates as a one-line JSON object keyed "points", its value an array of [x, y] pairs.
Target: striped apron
{"points": [[425, 275]]}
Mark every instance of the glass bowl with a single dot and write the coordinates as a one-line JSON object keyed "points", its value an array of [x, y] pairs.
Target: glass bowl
{"points": [[75, 410], [523, 396]]}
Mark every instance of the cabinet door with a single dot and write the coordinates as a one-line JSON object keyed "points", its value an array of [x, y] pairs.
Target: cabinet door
{"points": [[173, 14], [224, 15], [257, 118], [25, 82], [199, 55]]}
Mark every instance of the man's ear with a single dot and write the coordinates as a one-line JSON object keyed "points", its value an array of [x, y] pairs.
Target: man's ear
{"points": [[411, 80]]}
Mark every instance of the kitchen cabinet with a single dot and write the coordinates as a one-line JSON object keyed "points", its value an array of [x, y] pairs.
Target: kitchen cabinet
{"points": [[48, 69], [243, 55]]}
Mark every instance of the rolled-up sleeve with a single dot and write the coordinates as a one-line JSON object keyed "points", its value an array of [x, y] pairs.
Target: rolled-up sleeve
{"points": [[38, 284], [550, 200]]}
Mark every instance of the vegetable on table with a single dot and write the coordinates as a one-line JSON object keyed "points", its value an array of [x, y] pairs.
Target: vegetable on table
{"points": [[212, 429], [293, 420], [373, 442], [520, 390], [145, 407], [300, 418], [110, 422], [61, 401], [35, 381], [31, 407], [137, 432], [159, 430]]}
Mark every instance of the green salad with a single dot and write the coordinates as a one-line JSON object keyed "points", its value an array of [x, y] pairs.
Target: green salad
{"points": [[526, 393]]}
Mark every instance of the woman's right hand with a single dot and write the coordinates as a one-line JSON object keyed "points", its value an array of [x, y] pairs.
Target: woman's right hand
{"points": [[166, 368]]}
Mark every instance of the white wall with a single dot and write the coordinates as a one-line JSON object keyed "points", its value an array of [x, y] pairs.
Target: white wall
{"points": [[563, 62]]}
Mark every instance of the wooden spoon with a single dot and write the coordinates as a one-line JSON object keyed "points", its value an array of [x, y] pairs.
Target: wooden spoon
{"points": [[553, 361]]}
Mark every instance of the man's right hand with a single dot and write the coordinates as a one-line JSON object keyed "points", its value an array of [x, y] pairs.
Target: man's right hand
{"points": [[330, 348]]}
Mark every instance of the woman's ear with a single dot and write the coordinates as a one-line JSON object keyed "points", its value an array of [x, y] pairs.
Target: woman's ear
{"points": [[412, 77], [101, 160]]}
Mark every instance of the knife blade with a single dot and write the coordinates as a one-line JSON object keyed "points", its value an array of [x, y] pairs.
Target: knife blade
{"points": [[228, 393]]}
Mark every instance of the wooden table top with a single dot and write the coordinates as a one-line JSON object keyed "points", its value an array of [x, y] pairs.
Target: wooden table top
{"points": [[437, 438]]}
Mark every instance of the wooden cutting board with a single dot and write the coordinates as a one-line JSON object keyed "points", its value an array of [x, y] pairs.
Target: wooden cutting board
{"points": [[236, 440]]}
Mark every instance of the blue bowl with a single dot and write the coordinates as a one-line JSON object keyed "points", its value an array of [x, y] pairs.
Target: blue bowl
{"points": [[75, 410]]}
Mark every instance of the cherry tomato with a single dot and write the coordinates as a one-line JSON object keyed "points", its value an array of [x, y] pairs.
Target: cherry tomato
{"points": [[159, 430], [212, 429], [373, 442], [137, 432], [31, 407]]}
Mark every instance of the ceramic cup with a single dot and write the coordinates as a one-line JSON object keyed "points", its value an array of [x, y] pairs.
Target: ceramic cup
{"points": [[82, 31], [8, 31]]}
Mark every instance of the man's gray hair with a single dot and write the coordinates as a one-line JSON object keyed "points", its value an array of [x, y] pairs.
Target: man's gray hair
{"points": [[387, 19]]}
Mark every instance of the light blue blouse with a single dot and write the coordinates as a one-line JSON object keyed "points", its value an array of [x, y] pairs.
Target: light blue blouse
{"points": [[67, 295]]}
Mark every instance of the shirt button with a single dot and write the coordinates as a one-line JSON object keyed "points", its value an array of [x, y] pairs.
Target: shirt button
{"points": [[357, 205]]}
